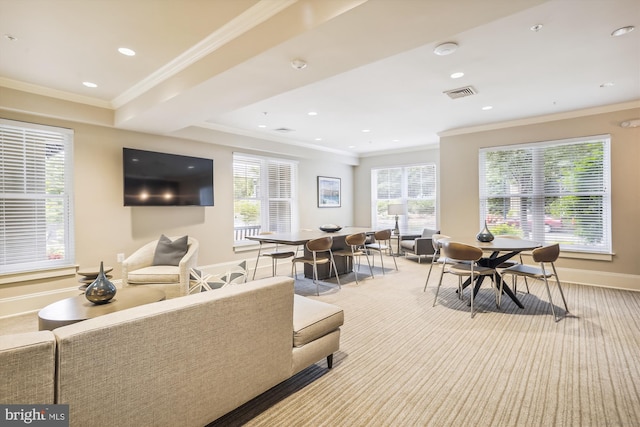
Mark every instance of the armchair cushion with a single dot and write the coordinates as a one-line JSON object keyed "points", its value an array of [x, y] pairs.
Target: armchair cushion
{"points": [[155, 274], [170, 252]]}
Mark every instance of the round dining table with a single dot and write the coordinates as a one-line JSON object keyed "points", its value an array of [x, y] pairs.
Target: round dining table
{"points": [[499, 250]]}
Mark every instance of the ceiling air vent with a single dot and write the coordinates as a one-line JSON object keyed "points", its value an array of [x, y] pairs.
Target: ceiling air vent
{"points": [[283, 130], [460, 92]]}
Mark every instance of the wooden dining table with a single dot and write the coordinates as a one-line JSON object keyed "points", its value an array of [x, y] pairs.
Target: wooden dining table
{"points": [[498, 251], [301, 237]]}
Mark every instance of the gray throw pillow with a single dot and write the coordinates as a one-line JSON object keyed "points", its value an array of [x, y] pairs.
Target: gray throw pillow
{"points": [[168, 252]]}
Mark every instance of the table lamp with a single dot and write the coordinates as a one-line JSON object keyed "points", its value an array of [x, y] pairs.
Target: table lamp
{"points": [[396, 210]]}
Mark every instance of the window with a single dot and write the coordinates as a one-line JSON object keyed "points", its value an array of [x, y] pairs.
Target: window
{"points": [[413, 187], [264, 195], [550, 192], [36, 210]]}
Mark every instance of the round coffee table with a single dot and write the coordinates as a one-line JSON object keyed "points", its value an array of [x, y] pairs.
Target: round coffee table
{"points": [[77, 309]]}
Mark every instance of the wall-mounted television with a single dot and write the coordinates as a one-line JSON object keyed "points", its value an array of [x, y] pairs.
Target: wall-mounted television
{"points": [[162, 179]]}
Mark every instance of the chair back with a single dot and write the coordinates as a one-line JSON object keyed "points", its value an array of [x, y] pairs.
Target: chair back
{"points": [[321, 244], [461, 252], [546, 254], [436, 241], [357, 239], [382, 235]]}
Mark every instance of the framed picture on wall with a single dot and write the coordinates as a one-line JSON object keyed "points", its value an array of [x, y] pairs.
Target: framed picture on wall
{"points": [[328, 192]]}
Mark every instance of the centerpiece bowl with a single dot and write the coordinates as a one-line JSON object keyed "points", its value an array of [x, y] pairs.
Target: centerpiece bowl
{"points": [[330, 228]]}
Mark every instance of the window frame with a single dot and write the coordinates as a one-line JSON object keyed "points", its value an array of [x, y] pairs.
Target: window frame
{"points": [[37, 187], [388, 221], [541, 225], [266, 198]]}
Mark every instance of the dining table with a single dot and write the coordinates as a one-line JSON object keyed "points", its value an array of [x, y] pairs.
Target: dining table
{"points": [[301, 237], [497, 251]]}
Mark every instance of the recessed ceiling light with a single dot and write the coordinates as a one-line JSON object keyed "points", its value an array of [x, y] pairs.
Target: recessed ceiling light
{"points": [[352, 146], [312, 113], [318, 139], [126, 51], [487, 107], [607, 84], [366, 130], [445, 48], [622, 31], [262, 126], [457, 75], [89, 84], [10, 37], [396, 140], [536, 28]]}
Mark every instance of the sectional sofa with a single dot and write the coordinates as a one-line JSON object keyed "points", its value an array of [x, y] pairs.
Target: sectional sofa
{"points": [[180, 362]]}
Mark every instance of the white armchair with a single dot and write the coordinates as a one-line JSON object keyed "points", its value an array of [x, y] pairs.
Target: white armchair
{"points": [[138, 269]]}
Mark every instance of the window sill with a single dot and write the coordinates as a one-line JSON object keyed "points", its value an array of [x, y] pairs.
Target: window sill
{"points": [[38, 275], [586, 255]]}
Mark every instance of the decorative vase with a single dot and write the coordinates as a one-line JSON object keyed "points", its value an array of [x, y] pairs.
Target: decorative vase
{"points": [[101, 290], [484, 235]]}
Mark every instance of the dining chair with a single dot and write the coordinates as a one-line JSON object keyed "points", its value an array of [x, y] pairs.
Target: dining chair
{"points": [[319, 253], [511, 263], [355, 249], [381, 243], [437, 244], [275, 255], [460, 260], [544, 255]]}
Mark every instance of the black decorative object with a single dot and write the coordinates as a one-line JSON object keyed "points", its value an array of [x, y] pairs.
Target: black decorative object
{"points": [[101, 291], [330, 228], [485, 235]]}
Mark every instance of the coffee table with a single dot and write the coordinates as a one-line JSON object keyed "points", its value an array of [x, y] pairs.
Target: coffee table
{"points": [[78, 308]]}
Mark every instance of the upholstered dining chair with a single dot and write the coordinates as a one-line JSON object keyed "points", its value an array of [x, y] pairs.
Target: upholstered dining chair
{"points": [[355, 249], [381, 243], [460, 260], [511, 263], [319, 253], [545, 255], [275, 255], [436, 241]]}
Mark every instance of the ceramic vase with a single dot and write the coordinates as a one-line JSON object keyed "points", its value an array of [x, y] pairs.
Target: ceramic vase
{"points": [[484, 235], [101, 290]]}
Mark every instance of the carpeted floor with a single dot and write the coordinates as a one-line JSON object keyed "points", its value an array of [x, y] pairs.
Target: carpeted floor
{"points": [[404, 362]]}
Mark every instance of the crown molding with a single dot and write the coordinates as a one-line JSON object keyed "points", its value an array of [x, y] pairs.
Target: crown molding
{"points": [[54, 93]]}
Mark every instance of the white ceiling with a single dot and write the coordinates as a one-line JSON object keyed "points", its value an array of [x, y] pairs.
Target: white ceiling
{"points": [[225, 64]]}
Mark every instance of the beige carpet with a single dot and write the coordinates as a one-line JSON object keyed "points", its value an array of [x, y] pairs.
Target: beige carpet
{"points": [[403, 362]]}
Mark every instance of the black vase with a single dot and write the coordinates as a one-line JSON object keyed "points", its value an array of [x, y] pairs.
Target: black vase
{"points": [[484, 235], [101, 290]]}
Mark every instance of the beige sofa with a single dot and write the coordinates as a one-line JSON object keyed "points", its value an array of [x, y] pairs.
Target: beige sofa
{"points": [[185, 361]]}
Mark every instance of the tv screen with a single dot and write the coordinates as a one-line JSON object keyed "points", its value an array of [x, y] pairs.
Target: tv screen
{"points": [[161, 179]]}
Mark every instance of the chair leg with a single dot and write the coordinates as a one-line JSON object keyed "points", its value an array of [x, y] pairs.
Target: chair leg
{"points": [[472, 292], [368, 263], [335, 269], [439, 283], [257, 262], [428, 275], [330, 361], [381, 261], [555, 273]]}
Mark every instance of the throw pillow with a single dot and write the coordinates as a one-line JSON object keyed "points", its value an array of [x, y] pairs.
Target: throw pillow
{"points": [[168, 252]]}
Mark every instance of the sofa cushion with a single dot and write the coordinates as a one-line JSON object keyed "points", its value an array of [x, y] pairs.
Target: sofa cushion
{"points": [[168, 252], [155, 274], [313, 319]]}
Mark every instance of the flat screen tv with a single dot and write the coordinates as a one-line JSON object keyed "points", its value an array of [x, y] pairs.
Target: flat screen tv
{"points": [[162, 179]]}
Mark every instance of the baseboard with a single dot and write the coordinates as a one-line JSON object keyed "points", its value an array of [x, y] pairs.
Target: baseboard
{"points": [[35, 301], [629, 282]]}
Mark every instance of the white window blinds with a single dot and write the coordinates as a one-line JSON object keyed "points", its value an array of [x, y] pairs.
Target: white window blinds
{"points": [[36, 183], [264, 195], [550, 192], [413, 187]]}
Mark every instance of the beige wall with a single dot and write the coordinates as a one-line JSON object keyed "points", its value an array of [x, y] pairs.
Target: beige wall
{"points": [[459, 204], [362, 177], [104, 227]]}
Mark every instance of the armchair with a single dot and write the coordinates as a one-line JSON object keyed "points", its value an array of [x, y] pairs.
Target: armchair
{"points": [[174, 280], [421, 246]]}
